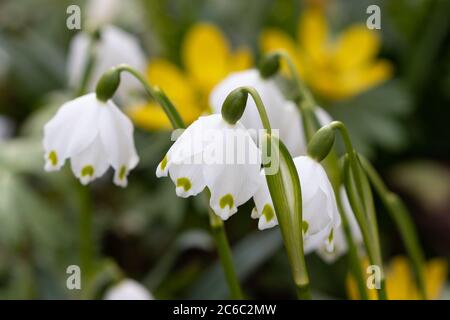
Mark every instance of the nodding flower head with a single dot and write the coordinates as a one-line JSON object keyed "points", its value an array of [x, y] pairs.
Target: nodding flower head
{"points": [[218, 155], [94, 134]]}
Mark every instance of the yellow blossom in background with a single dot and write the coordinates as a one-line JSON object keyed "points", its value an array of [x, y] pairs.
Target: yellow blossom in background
{"points": [[335, 68], [400, 282], [207, 59]]}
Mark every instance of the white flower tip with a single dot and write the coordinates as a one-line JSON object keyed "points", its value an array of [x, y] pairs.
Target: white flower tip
{"points": [[268, 218], [226, 207], [255, 214], [184, 187], [163, 168], [120, 177], [52, 162], [329, 242]]}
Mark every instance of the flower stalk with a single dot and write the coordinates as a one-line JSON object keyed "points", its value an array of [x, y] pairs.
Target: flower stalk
{"points": [[399, 214]]}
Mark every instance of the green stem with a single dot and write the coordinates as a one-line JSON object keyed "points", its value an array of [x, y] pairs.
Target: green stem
{"points": [[294, 244], [217, 226], [306, 104], [157, 94], [362, 195], [260, 106], [86, 232], [225, 254], [399, 214]]}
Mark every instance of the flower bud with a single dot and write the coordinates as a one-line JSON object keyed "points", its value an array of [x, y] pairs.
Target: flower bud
{"points": [[321, 143], [234, 105], [108, 84], [269, 65]]}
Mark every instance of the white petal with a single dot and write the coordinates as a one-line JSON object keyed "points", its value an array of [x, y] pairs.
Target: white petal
{"points": [[233, 183], [319, 204], [264, 209], [128, 290], [71, 130], [291, 129], [116, 133], [91, 163], [188, 179], [323, 117]]}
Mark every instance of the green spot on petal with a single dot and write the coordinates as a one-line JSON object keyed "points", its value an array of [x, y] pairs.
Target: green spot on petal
{"points": [[226, 200], [268, 212], [330, 236], [164, 163], [87, 171], [305, 226], [122, 172], [53, 157], [185, 183]]}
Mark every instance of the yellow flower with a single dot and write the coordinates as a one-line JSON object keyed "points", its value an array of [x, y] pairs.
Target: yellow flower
{"points": [[336, 68], [400, 283], [207, 58]]}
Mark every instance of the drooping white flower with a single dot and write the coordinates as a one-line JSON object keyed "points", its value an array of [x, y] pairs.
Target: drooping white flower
{"points": [[340, 242], [215, 154], [283, 114], [94, 135], [128, 290], [114, 47], [320, 213]]}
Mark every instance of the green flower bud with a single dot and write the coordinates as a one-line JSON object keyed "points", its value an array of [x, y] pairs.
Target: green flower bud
{"points": [[321, 143], [269, 65], [234, 105], [108, 84]]}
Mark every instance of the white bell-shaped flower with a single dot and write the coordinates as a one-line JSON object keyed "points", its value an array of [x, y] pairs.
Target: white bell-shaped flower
{"points": [[128, 290], [320, 213], [340, 242], [94, 135], [114, 47], [215, 154], [283, 114]]}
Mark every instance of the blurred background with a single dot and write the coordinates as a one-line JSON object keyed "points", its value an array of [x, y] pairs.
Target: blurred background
{"points": [[395, 101]]}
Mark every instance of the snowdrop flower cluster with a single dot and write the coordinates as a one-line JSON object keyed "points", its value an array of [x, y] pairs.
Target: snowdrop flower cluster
{"points": [[94, 134], [113, 47]]}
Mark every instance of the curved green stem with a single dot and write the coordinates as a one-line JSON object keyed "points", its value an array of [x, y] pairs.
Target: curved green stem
{"points": [[399, 214], [157, 94], [290, 219], [260, 106], [368, 229], [217, 226]]}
